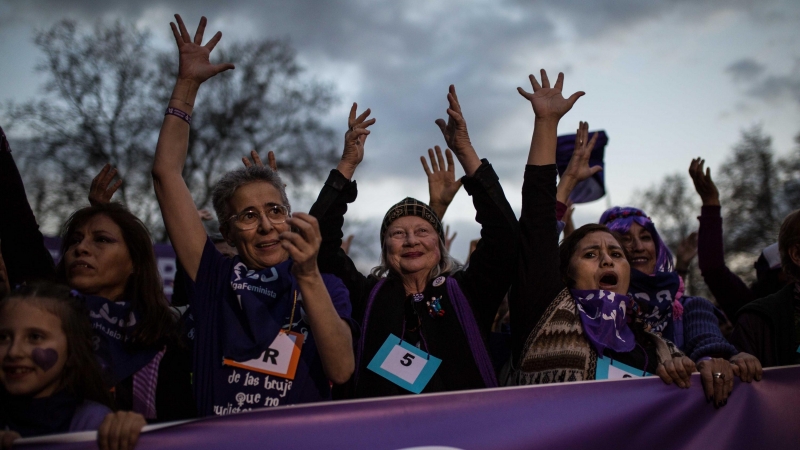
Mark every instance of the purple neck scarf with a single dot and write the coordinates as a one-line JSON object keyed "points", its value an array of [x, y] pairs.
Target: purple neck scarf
{"points": [[658, 298], [603, 314]]}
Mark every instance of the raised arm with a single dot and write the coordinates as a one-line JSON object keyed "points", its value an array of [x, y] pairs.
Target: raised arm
{"points": [[538, 279], [729, 290], [331, 206], [491, 267], [184, 227], [442, 183], [21, 242]]}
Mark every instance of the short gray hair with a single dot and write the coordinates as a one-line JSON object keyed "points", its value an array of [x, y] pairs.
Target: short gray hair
{"points": [[447, 264], [226, 186]]}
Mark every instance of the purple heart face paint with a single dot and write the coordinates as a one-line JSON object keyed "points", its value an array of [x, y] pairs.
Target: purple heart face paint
{"points": [[45, 358]]}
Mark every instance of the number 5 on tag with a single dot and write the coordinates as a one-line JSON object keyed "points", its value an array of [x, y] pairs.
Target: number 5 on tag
{"points": [[404, 365], [280, 359]]}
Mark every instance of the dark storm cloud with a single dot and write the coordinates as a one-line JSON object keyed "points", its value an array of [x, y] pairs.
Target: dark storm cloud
{"points": [[766, 86], [406, 53], [745, 69]]}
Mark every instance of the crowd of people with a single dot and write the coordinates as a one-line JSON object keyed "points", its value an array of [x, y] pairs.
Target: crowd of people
{"points": [[271, 311]]}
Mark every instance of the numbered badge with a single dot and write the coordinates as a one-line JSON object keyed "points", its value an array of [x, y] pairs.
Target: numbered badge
{"points": [[404, 365], [280, 359], [608, 369]]}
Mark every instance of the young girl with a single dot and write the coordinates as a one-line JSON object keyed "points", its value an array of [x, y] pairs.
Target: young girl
{"points": [[50, 381]]}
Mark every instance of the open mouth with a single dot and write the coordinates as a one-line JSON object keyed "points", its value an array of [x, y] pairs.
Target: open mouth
{"points": [[639, 261], [16, 372], [608, 281]]}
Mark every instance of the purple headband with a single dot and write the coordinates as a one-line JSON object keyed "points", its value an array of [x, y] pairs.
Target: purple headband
{"points": [[620, 219]]}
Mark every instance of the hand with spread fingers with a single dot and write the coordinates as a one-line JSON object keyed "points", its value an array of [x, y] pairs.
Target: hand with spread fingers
{"points": [[547, 102], [678, 370], [194, 63], [273, 164], [703, 183], [100, 193], [717, 377], [456, 135], [747, 367], [302, 243], [120, 430], [442, 182], [578, 168], [354, 140]]}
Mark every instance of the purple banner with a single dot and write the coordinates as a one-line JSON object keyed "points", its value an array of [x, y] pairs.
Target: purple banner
{"points": [[165, 260], [632, 413]]}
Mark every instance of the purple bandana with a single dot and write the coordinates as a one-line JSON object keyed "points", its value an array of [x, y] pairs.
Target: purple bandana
{"points": [[604, 319]]}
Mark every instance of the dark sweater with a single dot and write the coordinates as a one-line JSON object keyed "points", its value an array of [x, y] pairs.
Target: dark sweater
{"points": [[766, 329], [484, 283]]}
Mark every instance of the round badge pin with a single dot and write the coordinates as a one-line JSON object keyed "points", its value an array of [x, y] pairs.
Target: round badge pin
{"points": [[438, 282]]}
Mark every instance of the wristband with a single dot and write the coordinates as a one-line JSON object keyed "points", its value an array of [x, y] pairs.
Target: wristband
{"points": [[704, 358], [178, 113]]}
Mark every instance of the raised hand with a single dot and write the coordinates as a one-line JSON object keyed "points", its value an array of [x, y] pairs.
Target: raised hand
{"points": [[449, 238], [302, 243], [273, 164], [687, 250], [547, 102], [354, 140], [194, 64], [578, 168], [703, 183], [456, 135], [442, 182], [100, 193], [346, 244]]}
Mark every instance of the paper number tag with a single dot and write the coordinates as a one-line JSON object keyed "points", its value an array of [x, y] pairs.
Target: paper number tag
{"points": [[608, 369], [280, 359], [404, 365]]}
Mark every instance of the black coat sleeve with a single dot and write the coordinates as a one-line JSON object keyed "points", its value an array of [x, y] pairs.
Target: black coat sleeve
{"points": [[492, 265], [538, 279], [329, 210], [21, 242]]}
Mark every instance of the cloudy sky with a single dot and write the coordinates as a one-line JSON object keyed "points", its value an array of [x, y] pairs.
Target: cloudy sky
{"points": [[667, 79]]}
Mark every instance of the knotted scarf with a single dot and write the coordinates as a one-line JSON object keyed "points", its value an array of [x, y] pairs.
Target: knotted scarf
{"points": [[604, 318]]}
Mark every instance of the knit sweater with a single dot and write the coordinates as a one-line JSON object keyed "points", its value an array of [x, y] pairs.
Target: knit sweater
{"points": [[701, 333]]}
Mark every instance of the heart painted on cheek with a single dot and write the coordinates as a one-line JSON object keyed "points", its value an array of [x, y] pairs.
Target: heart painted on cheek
{"points": [[45, 358]]}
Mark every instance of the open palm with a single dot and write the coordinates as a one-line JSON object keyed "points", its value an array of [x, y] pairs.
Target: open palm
{"points": [[194, 63], [547, 102]]}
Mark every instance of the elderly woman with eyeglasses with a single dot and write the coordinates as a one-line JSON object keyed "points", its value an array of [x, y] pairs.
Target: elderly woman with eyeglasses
{"points": [[270, 329]]}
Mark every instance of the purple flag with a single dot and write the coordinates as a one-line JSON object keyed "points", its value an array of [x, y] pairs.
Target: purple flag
{"points": [[633, 413], [590, 189]]}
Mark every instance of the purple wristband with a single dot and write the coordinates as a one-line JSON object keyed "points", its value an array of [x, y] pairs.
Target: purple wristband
{"points": [[704, 358], [177, 112]]}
